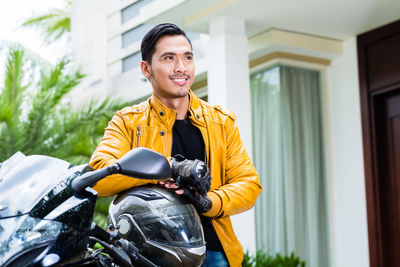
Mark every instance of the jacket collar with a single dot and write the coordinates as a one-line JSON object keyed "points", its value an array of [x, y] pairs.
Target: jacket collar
{"points": [[167, 116]]}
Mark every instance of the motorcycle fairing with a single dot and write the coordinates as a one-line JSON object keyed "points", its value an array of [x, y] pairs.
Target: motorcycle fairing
{"points": [[37, 190], [23, 182]]}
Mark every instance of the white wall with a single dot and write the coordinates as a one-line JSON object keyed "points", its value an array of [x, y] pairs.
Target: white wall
{"points": [[228, 86], [346, 186], [89, 49]]}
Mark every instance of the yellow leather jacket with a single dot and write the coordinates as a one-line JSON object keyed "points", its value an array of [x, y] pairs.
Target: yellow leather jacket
{"points": [[234, 186]]}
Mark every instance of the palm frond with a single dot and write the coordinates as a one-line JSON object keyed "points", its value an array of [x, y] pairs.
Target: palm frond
{"points": [[52, 88], [35, 59], [76, 134], [11, 101], [12, 95], [37, 118], [53, 25]]}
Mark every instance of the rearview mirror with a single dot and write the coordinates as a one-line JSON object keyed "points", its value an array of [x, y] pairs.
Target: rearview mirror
{"points": [[141, 163], [145, 164]]}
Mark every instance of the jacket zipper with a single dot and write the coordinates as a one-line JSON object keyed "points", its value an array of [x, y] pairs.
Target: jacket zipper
{"points": [[138, 136]]}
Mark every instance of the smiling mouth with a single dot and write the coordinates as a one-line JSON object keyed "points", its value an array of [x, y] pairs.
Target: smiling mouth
{"points": [[180, 80]]}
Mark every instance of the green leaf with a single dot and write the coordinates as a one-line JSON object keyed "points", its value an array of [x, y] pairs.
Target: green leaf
{"points": [[263, 259], [36, 117], [53, 25]]}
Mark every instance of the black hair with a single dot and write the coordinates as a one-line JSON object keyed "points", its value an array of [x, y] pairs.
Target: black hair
{"points": [[149, 41]]}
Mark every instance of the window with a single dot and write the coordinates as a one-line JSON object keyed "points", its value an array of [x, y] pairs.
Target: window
{"points": [[193, 36], [288, 147], [135, 34], [131, 62], [133, 10]]}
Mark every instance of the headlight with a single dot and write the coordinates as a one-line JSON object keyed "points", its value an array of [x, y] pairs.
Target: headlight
{"points": [[30, 233]]}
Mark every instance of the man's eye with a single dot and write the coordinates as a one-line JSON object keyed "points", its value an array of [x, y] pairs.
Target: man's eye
{"points": [[168, 58], [189, 57]]}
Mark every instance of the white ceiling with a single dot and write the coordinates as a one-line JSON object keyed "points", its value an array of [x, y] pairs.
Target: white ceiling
{"points": [[338, 19]]}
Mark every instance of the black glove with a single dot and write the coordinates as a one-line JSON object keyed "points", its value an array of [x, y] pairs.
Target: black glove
{"points": [[201, 203], [191, 173]]}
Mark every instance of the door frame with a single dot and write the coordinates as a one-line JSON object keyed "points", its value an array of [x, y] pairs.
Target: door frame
{"points": [[367, 99]]}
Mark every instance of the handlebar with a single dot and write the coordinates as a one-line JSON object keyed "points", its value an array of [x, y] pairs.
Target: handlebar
{"points": [[124, 252]]}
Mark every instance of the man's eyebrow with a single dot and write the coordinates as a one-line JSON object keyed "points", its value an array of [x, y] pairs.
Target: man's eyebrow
{"points": [[173, 54], [167, 54]]}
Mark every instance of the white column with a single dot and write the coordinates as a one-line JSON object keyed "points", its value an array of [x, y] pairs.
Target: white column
{"points": [[347, 200], [228, 86], [89, 49]]}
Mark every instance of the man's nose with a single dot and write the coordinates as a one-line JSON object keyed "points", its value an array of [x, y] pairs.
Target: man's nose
{"points": [[180, 66]]}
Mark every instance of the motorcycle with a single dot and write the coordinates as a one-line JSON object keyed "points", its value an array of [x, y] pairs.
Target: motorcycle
{"points": [[47, 207]]}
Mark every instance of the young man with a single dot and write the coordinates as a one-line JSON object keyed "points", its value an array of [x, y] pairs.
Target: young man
{"points": [[174, 121]]}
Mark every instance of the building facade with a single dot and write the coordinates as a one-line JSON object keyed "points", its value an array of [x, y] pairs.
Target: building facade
{"points": [[245, 51]]}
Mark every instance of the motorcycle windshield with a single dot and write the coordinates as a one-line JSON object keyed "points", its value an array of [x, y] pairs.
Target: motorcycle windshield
{"points": [[24, 180], [23, 236]]}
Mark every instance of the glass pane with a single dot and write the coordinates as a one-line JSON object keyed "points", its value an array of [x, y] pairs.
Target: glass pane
{"points": [[131, 61], [135, 34], [193, 36], [176, 225], [133, 10], [288, 152]]}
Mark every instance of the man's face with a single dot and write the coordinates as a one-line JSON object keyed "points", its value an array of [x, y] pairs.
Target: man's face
{"points": [[171, 71]]}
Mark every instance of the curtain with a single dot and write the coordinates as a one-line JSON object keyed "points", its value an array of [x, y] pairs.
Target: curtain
{"points": [[291, 212]]}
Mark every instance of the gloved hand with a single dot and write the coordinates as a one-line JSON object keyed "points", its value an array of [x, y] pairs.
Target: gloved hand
{"points": [[191, 173], [201, 203]]}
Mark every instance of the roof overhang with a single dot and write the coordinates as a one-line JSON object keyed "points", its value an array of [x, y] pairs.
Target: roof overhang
{"points": [[333, 19]]}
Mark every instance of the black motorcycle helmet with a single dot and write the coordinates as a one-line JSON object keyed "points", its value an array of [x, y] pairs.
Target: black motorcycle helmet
{"points": [[164, 227]]}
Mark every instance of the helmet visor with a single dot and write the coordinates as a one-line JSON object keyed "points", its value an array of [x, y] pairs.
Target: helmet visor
{"points": [[175, 225]]}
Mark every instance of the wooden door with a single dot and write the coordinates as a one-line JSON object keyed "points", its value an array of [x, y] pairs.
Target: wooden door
{"points": [[379, 73]]}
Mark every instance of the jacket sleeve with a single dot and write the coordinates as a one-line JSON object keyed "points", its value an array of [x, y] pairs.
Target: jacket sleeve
{"points": [[242, 185], [116, 142]]}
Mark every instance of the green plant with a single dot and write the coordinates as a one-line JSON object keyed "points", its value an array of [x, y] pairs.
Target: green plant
{"points": [[101, 211], [36, 116], [73, 135], [53, 24], [262, 259]]}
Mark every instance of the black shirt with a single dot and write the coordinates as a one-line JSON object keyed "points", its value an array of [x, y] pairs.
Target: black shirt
{"points": [[188, 141]]}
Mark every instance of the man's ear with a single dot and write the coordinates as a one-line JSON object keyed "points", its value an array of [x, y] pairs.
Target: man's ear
{"points": [[145, 66]]}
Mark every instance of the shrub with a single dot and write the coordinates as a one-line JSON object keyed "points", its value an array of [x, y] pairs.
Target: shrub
{"points": [[263, 259]]}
